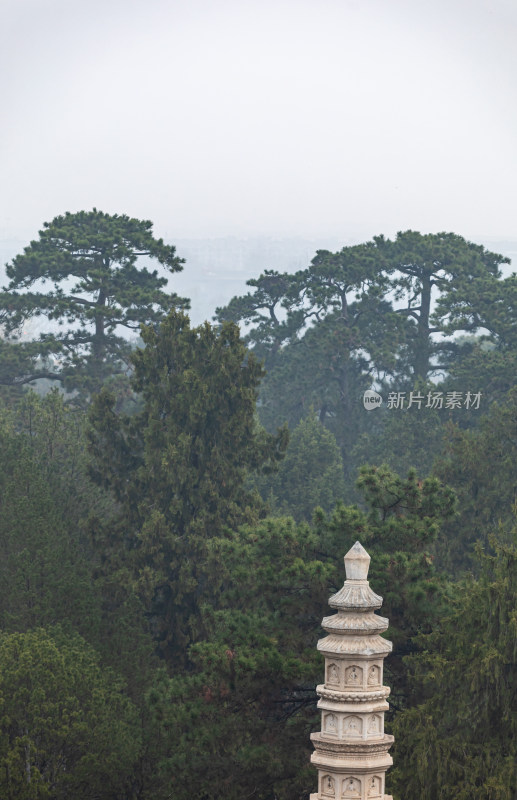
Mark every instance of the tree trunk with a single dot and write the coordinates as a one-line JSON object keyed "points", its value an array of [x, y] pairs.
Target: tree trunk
{"points": [[99, 344], [423, 343]]}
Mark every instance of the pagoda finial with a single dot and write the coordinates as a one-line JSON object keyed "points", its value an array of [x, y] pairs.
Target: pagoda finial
{"points": [[357, 563]]}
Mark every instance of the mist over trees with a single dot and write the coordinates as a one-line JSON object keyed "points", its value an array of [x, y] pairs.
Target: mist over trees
{"points": [[166, 562]]}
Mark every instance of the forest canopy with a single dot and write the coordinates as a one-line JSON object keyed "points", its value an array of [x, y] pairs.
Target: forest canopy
{"points": [[173, 523]]}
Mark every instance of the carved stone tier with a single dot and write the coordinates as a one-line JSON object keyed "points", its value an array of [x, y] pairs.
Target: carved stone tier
{"points": [[355, 594], [351, 750], [352, 697], [366, 622], [354, 761], [373, 748], [354, 645]]}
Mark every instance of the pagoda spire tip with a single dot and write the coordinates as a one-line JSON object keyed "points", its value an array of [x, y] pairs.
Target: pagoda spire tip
{"points": [[357, 563]]}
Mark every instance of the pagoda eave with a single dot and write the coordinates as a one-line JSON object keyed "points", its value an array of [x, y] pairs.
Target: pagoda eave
{"points": [[334, 644], [356, 595], [351, 707], [368, 748], [351, 763], [358, 623]]}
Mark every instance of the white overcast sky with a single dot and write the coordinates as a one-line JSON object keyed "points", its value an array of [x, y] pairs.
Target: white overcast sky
{"points": [[252, 117]]}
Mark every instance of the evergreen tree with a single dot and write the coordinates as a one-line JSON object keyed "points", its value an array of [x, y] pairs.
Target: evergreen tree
{"points": [[179, 467], [66, 728], [46, 565], [418, 265], [317, 372], [50, 571], [310, 475], [366, 314], [271, 310], [17, 361], [90, 258], [238, 722], [480, 465], [322, 332], [404, 518], [402, 438], [460, 743]]}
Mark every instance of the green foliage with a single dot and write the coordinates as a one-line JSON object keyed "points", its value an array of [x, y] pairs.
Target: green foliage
{"points": [[320, 332], [402, 438], [170, 553], [49, 569], [236, 607], [366, 314], [481, 363], [317, 372], [408, 509], [403, 521], [90, 258], [45, 573], [420, 263], [17, 362], [461, 742], [238, 722], [480, 465], [179, 467], [310, 475], [266, 309], [66, 728]]}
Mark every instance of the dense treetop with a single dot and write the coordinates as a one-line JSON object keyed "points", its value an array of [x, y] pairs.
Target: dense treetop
{"points": [[167, 554], [97, 287]]}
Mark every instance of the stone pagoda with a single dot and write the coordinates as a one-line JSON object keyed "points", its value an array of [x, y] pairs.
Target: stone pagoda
{"points": [[351, 750]]}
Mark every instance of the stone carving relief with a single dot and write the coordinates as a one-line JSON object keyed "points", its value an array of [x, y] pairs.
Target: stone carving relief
{"points": [[331, 724], [327, 785], [374, 675], [351, 787], [374, 787], [374, 724], [354, 676], [353, 726], [333, 675]]}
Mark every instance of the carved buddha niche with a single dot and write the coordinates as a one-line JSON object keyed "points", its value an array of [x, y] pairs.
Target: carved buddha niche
{"points": [[351, 787], [374, 675], [354, 676], [374, 787], [353, 726], [328, 786], [330, 725], [333, 675], [373, 725]]}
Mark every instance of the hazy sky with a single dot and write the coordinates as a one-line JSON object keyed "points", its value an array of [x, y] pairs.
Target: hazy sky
{"points": [[239, 117]]}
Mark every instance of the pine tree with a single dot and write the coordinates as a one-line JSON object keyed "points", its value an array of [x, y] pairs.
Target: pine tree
{"points": [[460, 744], [237, 723], [480, 465], [99, 290]]}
